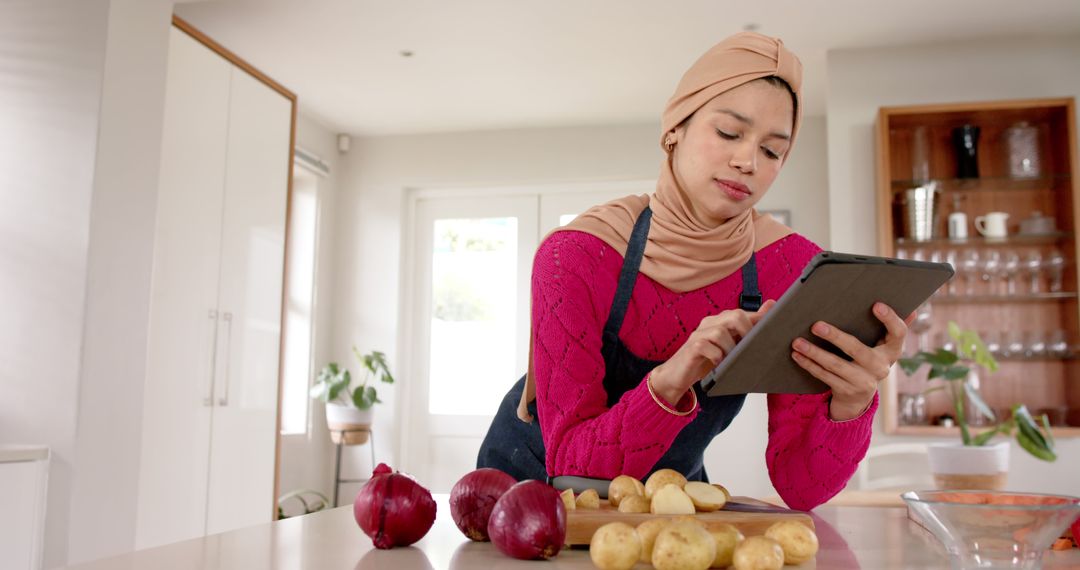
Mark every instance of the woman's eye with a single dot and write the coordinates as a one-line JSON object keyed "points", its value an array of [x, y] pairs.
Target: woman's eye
{"points": [[726, 136], [769, 153]]}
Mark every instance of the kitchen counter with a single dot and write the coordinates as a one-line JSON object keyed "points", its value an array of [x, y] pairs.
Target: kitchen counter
{"points": [[851, 537]]}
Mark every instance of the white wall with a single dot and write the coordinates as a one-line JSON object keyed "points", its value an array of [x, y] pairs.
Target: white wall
{"points": [[81, 98], [861, 81], [307, 459], [120, 258], [378, 170], [50, 94]]}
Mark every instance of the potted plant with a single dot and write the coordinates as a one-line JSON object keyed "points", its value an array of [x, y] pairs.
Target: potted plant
{"points": [[348, 408], [974, 463]]}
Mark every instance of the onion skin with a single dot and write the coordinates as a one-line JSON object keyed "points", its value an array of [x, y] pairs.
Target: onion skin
{"points": [[473, 498], [393, 509], [529, 521]]}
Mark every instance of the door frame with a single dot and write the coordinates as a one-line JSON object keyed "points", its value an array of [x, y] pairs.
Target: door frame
{"points": [[407, 309]]}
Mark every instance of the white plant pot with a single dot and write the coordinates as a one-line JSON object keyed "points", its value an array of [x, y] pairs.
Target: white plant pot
{"points": [[958, 466], [348, 423]]}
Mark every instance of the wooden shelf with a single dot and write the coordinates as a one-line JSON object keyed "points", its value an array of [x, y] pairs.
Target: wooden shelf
{"points": [[939, 431], [989, 184], [922, 135], [1018, 239]]}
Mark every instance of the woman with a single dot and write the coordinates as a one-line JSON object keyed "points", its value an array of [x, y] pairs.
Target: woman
{"points": [[636, 300]]}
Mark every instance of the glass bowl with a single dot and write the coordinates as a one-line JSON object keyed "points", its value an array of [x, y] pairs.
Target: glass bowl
{"points": [[993, 529]]}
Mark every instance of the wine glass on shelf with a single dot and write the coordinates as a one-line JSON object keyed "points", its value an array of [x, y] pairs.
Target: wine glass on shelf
{"points": [[950, 258], [1011, 269], [991, 269], [922, 324], [1055, 270], [1033, 266], [1058, 344], [969, 267]]}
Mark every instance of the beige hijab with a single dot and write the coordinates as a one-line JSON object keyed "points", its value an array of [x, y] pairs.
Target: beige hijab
{"points": [[684, 253]]}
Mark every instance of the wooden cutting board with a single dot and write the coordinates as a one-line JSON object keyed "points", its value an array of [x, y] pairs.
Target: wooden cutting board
{"points": [[582, 523]]}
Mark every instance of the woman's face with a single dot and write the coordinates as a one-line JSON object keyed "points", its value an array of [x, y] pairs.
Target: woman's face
{"points": [[729, 152]]}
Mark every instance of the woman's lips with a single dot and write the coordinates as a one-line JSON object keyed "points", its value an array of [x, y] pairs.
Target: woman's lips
{"points": [[733, 189]]}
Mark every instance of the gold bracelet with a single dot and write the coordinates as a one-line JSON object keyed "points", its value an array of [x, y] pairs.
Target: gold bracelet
{"points": [[663, 406]]}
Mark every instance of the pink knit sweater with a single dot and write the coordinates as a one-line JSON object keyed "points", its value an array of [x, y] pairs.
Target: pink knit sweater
{"points": [[809, 456]]}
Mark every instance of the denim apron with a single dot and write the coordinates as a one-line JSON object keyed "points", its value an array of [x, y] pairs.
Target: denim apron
{"points": [[517, 448]]}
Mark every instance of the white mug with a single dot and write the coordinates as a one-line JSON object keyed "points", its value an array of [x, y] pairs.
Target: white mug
{"points": [[992, 225], [958, 225]]}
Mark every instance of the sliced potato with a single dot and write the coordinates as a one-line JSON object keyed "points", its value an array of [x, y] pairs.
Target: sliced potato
{"points": [[568, 499], [648, 531], [727, 495], [726, 537], [671, 500], [624, 486], [706, 498], [663, 477], [758, 553], [615, 546], [683, 546], [634, 504], [798, 541], [588, 499]]}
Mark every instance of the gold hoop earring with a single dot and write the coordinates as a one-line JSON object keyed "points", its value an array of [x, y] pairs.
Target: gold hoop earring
{"points": [[670, 146]]}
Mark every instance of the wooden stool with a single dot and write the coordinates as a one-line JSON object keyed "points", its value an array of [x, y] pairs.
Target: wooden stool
{"points": [[345, 437]]}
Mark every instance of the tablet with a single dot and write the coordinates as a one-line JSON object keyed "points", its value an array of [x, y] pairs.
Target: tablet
{"points": [[837, 288]]}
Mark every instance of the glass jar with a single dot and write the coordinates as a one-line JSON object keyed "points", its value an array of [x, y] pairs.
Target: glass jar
{"points": [[1022, 142]]}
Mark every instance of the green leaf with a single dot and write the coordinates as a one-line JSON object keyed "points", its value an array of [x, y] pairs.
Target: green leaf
{"points": [[956, 372], [985, 436], [942, 357], [910, 365], [364, 397], [977, 401], [1046, 430], [954, 330], [1033, 448], [339, 383], [1027, 426]]}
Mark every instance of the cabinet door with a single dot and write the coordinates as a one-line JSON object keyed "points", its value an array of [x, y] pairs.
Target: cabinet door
{"points": [[244, 432], [176, 409]]}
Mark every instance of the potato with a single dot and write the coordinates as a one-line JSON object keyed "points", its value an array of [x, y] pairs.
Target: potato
{"points": [[648, 531], [615, 546], [726, 537], [758, 553], [663, 477], [671, 500], [683, 546], [624, 486], [705, 497], [588, 499], [634, 504], [727, 495], [568, 499], [798, 541]]}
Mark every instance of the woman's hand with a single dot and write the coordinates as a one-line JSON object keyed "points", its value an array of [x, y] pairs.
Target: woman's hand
{"points": [[714, 337], [853, 383]]}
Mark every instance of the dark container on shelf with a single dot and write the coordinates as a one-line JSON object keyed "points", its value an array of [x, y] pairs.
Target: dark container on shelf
{"points": [[966, 142]]}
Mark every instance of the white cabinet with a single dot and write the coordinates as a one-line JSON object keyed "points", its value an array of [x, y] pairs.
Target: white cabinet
{"points": [[211, 398], [24, 474]]}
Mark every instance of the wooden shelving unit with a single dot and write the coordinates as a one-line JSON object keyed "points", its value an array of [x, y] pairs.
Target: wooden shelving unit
{"points": [[1042, 382]]}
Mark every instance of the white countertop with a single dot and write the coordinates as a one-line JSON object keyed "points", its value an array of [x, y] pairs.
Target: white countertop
{"points": [[10, 453], [850, 537]]}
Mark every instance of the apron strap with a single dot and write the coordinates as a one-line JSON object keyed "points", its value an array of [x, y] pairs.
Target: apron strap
{"points": [[750, 299], [635, 250]]}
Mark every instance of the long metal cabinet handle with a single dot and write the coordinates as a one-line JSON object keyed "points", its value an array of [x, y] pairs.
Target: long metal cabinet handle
{"points": [[209, 399], [224, 401]]}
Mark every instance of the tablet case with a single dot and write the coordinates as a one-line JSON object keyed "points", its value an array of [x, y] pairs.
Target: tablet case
{"points": [[839, 289]]}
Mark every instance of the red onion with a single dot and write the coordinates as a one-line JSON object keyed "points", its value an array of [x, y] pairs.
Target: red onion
{"points": [[1075, 529], [473, 498], [529, 521], [393, 509]]}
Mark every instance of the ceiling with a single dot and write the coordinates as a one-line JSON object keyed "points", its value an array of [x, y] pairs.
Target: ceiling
{"points": [[498, 64]]}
